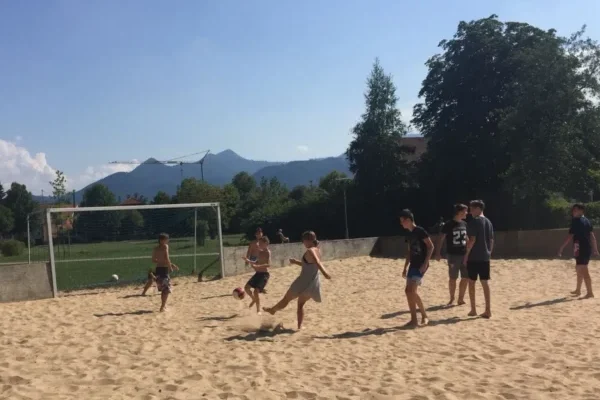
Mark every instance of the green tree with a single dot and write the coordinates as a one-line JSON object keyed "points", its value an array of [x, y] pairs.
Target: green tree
{"points": [[244, 183], [506, 116], [59, 190], [2, 193], [98, 225], [161, 198], [7, 222], [333, 182], [21, 204]]}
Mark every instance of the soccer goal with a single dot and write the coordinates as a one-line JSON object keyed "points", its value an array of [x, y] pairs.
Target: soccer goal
{"points": [[88, 246]]}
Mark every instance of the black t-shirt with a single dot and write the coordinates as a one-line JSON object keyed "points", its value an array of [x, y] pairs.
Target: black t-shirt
{"points": [[418, 249], [581, 229], [456, 237]]}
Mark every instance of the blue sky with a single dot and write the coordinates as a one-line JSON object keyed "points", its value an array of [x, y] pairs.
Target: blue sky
{"points": [[84, 82]]}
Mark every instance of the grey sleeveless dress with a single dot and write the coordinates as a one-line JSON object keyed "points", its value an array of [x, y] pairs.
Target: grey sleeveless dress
{"points": [[308, 283]]}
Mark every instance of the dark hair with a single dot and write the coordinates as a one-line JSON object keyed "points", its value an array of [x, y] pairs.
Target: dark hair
{"points": [[578, 206], [477, 204], [264, 239], [406, 213], [162, 236], [459, 208], [310, 235], [258, 230]]}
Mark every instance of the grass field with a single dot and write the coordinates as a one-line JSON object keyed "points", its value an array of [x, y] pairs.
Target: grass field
{"points": [[93, 264]]}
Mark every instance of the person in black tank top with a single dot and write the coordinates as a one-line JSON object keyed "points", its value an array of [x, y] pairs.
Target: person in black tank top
{"points": [[582, 235]]}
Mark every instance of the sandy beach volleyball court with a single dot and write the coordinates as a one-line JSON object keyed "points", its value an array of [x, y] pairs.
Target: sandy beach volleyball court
{"points": [[540, 344]]}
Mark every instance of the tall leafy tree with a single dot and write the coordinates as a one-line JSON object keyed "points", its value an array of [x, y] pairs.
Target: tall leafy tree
{"points": [[6, 221], [98, 225], [2, 193], [59, 189], [21, 203], [503, 111]]}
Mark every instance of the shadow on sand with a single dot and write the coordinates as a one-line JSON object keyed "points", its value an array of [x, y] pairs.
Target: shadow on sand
{"points": [[215, 297], [405, 312], [543, 303], [140, 312], [260, 334], [384, 331], [219, 318]]}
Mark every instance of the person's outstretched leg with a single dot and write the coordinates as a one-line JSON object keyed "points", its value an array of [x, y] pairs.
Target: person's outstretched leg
{"points": [[282, 303], [148, 285]]}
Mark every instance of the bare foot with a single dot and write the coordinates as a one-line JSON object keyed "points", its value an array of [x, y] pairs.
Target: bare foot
{"points": [[451, 302], [425, 321], [411, 324], [163, 309], [251, 304], [461, 303], [486, 315], [473, 313], [269, 310], [576, 293], [258, 313], [589, 296]]}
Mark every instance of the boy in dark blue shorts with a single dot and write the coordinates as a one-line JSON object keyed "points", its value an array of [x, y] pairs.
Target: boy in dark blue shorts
{"points": [[584, 243], [261, 265], [420, 249]]}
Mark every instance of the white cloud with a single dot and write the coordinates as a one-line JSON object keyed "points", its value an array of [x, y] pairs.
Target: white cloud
{"points": [[92, 174], [302, 148], [18, 165]]}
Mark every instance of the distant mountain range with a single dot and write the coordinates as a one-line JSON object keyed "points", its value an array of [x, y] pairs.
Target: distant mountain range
{"points": [[150, 177]]}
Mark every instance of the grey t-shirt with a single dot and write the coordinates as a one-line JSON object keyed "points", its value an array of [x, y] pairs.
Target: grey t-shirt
{"points": [[481, 228]]}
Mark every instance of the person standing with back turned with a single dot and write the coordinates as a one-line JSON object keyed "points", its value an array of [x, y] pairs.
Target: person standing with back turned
{"points": [[479, 252]]}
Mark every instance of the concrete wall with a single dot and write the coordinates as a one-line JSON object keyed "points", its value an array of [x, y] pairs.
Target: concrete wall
{"points": [[281, 253], [25, 282], [510, 244]]}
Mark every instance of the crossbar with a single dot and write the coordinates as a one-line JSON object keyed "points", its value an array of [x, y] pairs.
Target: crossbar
{"points": [[120, 208]]}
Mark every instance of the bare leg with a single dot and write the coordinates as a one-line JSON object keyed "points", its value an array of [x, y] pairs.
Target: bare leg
{"points": [[419, 302], [147, 286], [410, 291], [585, 276], [301, 302], [257, 300], [281, 305], [486, 294], [163, 297], [462, 289], [248, 291], [452, 290], [577, 291], [472, 298]]}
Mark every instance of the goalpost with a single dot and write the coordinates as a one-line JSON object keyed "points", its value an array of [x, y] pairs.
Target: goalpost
{"points": [[88, 245]]}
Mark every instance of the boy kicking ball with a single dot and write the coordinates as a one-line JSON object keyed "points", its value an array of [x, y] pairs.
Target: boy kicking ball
{"points": [[261, 265], [420, 249]]}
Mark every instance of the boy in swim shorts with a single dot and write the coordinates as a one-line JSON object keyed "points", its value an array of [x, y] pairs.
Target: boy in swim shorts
{"points": [[261, 277], [420, 249], [254, 250], [160, 256]]}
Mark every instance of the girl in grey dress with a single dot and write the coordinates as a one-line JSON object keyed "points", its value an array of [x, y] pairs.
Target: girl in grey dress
{"points": [[307, 285]]}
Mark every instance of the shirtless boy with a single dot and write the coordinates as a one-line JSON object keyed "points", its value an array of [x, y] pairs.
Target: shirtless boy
{"points": [[254, 250], [261, 277], [160, 256]]}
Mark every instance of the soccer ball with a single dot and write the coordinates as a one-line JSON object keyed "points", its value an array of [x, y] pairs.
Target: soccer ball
{"points": [[238, 293], [115, 277]]}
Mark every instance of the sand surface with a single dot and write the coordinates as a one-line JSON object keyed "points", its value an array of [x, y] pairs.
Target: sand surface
{"points": [[540, 343]]}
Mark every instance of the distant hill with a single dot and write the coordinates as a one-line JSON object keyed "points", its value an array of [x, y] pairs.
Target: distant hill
{"points": [[150, 177]]}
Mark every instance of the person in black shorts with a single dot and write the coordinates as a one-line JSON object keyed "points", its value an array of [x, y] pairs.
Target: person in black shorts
{"points": [[584, 243], [261, 265], [420, 249], [455, 233], [479, 251]]}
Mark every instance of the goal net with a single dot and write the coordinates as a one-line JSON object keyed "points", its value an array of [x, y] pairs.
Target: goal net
{"points": [[89, 245]]}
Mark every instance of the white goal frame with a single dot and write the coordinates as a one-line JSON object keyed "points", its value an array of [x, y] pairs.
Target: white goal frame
{"points": [[195, 206]]}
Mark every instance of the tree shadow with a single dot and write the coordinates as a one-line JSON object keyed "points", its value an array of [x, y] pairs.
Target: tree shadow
{"points": [[543, 303], [405, 312], [140, 312], [219, 318], [260, 334], [215, 297]]}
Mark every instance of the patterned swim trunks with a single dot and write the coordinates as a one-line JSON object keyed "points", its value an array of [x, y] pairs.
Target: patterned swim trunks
{"points": [[163, 283]]}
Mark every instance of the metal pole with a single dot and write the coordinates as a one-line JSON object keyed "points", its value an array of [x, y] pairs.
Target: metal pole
{"points": [[220, 241], [28, 240], [346, 214], [51, 251], [195, 237]]}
